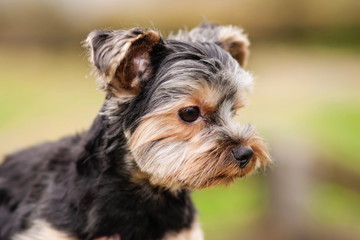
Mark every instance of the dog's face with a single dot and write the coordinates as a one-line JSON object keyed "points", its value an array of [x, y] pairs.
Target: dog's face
{"points": [[175, 101]]}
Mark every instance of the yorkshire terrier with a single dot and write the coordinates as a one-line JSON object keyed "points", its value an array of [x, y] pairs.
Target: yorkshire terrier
{"points": [[166, 127]]}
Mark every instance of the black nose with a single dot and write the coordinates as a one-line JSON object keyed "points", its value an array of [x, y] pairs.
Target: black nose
{"points": [[243, 155]]}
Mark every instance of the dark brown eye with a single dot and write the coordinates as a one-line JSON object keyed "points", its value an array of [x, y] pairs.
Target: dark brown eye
{"points": [[189, 114]]}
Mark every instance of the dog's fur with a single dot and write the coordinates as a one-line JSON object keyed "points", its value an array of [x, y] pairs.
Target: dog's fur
{"points": [[129, 175]]}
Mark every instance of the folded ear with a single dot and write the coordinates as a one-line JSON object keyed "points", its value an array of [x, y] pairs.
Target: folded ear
{"points": [[230, 38], [122, 58]]}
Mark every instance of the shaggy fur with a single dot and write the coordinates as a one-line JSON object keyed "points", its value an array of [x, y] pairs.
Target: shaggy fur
{"points": [[129, 175]]}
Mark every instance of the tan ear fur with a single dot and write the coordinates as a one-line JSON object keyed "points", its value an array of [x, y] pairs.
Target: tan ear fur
{"points": [[230, 38], [233, 40]]}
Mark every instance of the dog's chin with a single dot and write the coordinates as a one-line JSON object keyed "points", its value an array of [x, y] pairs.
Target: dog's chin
{"points": [[215, 181], [178, 184], [220, 180]]}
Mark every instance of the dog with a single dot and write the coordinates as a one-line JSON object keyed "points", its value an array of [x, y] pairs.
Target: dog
{"points": [[166, 128]]}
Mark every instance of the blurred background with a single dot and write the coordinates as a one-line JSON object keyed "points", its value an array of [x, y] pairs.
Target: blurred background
{"points": [[305, 56]]}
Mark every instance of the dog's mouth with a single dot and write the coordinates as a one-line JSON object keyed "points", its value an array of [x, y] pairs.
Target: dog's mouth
{"points": [[240, 171]]}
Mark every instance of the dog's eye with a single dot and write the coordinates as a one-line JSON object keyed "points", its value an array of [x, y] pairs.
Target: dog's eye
{"points": [[189, 114]]}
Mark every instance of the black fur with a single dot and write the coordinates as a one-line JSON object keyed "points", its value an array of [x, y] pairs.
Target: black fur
{"points": [[82, 189]]}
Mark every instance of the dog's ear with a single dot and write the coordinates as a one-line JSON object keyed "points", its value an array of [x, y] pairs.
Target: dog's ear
{"points": [[233, 40], [122, 58], [230, 38]]}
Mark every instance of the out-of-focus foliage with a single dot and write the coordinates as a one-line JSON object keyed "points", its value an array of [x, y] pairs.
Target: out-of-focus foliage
{"points": [[59, 22]]}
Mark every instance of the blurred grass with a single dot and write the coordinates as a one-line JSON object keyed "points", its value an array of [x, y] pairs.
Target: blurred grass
{"points": [[334, 37], [43, 95], [223, 212], [335, 206], [46, 94], [337, 129]]}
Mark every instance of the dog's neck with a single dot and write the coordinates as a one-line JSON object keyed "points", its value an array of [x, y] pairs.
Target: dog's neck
{"points": [[105, 167], [116, 159]]}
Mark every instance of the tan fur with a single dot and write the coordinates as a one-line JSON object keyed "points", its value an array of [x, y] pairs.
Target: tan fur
{"points": [[166, 125], [215, 165], [194, 233], [207, 164], [142, 178], [234, 41], [260, 151], [41, 230], [202, 160], [204, 97], [208, 98]]}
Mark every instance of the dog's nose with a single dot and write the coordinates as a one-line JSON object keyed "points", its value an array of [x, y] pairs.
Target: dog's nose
{"points": [[243, 155]]}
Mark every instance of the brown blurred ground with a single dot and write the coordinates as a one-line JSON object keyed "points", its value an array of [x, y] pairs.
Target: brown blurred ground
{"points": [[60, 22]]}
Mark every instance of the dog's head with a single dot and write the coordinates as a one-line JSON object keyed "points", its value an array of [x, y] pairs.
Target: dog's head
{"points": [[175, 100]]}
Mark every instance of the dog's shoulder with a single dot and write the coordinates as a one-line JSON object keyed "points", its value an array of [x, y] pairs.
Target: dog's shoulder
{"points": [[31, 159]]}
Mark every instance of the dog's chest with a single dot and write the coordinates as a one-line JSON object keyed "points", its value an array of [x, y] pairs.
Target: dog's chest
{"points": [[133, 216]]}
